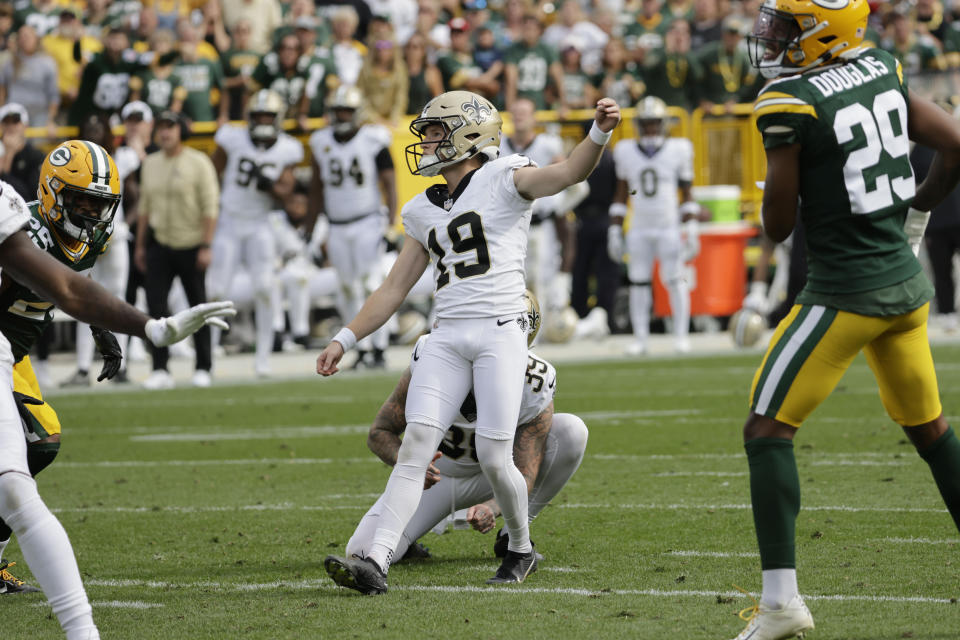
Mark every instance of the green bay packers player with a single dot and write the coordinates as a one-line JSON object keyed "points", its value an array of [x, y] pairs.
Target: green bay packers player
{"points": [[42, 539], [473, 228], [836, 125], [72, 221], [548, 448]]}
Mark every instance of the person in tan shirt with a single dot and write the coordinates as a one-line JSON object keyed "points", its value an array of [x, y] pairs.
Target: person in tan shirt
{"points": [[178, 207], [263, 15]]}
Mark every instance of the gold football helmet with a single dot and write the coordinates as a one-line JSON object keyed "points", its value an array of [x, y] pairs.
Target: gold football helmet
{"points": [[345, 109], [791, 36], [79, 192], [471, 125], [650, 116], [265, 113], [533, 316]]}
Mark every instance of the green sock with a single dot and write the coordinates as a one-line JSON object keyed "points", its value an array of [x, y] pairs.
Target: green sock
{"points": [[775, 493], [943, 456]]}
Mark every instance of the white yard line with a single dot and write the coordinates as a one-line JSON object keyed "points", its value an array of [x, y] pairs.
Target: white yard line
{"points": [[115, 604], [918, 541], [711, 554], [266, 433], [286, 506], [326, 585], [214, 463], [709, 474]]}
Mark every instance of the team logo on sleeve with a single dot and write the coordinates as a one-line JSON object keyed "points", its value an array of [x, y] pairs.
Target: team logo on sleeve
{"points": [[476, 110], [60, 156]]}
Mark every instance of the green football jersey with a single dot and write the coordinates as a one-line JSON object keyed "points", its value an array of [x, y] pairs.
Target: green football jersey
{"points": [[856, 182], [24, 314], [533, 70]]}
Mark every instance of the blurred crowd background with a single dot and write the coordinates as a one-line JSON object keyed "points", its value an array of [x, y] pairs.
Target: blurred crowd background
{"points": [[70, 67]]}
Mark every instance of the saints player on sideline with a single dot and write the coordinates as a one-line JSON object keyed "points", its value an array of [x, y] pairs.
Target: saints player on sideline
{"points": [[474, 229], [43, 540], [25, 315], [837, 128], [653, 168], [255, 164], [353, 184], [547, 449]]}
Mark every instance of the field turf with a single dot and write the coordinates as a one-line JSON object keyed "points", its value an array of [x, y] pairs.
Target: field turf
{"points": [[206, 514]]}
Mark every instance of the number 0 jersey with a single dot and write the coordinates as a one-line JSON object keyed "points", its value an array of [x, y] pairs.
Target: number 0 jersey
{"points": [[653, 180], [350, 170], [459, 453], [477, 240], [240, 199], [856, 182], [24, 314]]}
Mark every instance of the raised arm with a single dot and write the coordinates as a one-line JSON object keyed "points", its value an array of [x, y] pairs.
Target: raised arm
{"points": [[539, 182], [932, 127], [381, 304]]}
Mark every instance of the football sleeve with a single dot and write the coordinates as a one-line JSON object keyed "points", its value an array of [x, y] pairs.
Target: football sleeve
{"points": [[782, 118], [13, 211]]}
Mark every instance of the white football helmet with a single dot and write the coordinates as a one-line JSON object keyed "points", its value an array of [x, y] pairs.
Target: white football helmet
{"points": [[533, 316], [651, 121], [348, 100], [471, 125], [265, 103], [746, 327]]}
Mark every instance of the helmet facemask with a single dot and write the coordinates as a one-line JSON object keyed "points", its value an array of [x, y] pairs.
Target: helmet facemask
{"points": [[652, 133], [774, 44], [345, 126], [264, 132], [82, 215]]}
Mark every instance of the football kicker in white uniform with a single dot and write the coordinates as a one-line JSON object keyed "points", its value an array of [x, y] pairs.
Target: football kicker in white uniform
{"points": [[473, 228], [256, 165], [548, 274], [354, 186], [548, 449], [653, 168], [42, 539]]}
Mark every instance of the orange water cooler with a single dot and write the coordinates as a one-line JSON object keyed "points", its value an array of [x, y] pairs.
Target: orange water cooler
{"points": [[721, 272]]}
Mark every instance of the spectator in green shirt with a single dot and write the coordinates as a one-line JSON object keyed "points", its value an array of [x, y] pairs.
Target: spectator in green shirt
{"points": [[202, 78], [532, 69], [238, 63], [674, 74], [729, 78]]}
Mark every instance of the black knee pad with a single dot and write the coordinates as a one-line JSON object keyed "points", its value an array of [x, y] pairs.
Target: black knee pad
{"points": [[39, 456]]}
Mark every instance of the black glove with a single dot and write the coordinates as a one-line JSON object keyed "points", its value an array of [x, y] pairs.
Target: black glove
{"points": [[263, 183], [22, 400], [109, 348]]}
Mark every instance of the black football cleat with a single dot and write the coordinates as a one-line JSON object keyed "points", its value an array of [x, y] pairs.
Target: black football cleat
{"points": [[9, 583], [516, 567], [359, 574], [416, 551], [500, 544]]}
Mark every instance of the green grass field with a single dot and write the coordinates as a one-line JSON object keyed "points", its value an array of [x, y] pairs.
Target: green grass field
{"points": [[206, 514]]}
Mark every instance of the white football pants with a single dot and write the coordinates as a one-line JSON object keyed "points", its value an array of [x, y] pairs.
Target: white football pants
{"points": [[664, 245], [42, 539], [563, 452]]}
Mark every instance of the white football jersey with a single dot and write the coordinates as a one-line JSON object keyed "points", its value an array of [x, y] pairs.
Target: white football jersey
{"points": [[13, 216], [544, 149], [459, 442], [653, 180], [349, 171], [240, 199], [477, 242]]}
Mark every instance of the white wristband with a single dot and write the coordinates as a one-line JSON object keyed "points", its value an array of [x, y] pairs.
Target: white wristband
{"points": [[346, 338], [617, 210], [690, 207], [599, 137]]}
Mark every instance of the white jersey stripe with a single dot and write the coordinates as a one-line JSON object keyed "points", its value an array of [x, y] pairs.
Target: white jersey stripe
{"points": [[786, 356]]}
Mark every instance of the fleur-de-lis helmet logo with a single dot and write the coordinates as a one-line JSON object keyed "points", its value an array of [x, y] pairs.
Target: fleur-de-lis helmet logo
{"points": [[476, 110]]}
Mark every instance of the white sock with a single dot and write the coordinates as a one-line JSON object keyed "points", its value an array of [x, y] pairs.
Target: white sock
{"points": [[779, 587], [3, 546], [563, 452], [640, 299], [263, 319], [509, 488], [679, 293], [85, 347], [404, 488], [47, 551]]}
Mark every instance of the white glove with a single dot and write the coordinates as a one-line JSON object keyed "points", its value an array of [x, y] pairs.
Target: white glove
{"points": [[166, 331], [691, 240], [914, 226], [615, 243], [757, 297], [559, 297]]}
